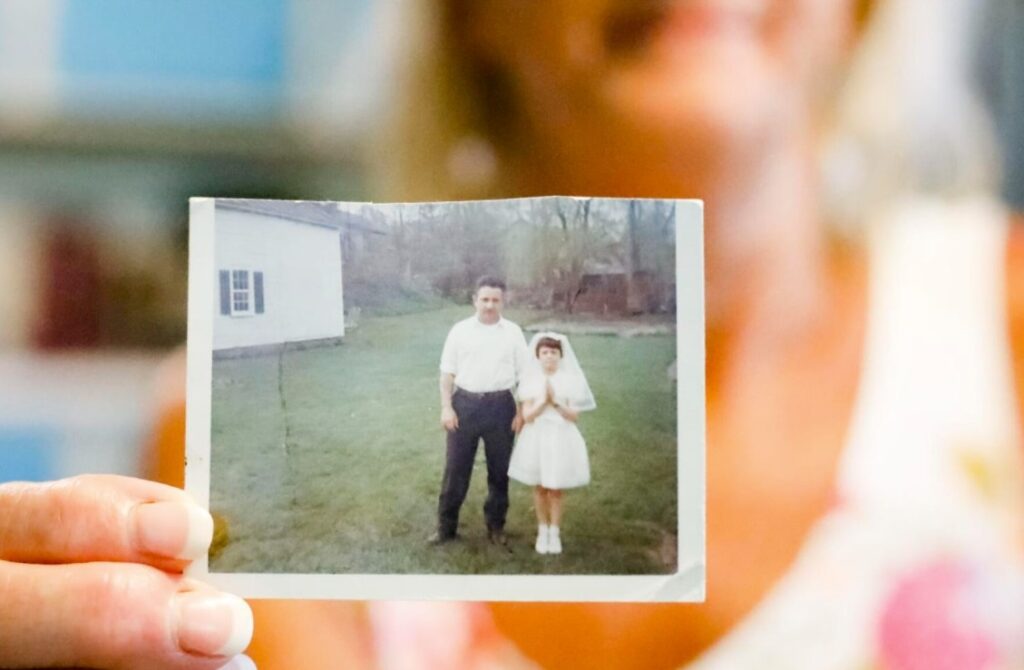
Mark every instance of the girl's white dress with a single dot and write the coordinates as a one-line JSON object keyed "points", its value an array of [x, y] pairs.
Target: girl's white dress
{"points": [[550, 450]]}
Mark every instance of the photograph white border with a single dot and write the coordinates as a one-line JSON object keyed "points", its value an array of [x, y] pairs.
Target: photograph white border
{"points": [[687, 584]]}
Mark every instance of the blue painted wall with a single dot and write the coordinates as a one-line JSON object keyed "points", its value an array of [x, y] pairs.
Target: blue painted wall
{"points": [[28, 453], [180, 59]]}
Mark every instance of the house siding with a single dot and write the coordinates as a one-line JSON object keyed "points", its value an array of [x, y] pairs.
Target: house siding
{"points": [[302, 297]]}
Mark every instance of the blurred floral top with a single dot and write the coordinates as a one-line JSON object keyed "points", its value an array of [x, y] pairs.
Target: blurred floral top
{"points": [[920, 563]]}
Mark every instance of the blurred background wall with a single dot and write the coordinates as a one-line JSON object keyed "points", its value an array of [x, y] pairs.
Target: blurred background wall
{"points": [[114, 112]]}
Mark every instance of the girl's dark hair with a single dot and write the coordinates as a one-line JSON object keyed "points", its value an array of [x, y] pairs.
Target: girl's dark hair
{"points": [[550, 343]]}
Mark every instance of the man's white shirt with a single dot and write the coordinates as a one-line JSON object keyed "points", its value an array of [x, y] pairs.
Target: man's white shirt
{"points": [[484, 357]]}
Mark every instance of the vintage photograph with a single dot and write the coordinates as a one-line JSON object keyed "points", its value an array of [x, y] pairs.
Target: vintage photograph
{"points": [[465, 388]]}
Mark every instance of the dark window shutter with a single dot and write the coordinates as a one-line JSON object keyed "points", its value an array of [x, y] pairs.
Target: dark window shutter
{"points": [[225, 292], [257, 283]]}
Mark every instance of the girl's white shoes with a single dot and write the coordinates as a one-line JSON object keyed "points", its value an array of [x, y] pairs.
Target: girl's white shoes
{"points": [[549, 540], [554, 541], [542, 539]]}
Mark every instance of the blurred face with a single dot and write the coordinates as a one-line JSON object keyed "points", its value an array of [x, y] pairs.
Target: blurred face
{"points": [[549, 358], [487, 302], [651, 98], [679, 85]]}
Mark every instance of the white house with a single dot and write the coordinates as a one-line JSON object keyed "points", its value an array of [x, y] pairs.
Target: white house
{"points": [[278, 273]]}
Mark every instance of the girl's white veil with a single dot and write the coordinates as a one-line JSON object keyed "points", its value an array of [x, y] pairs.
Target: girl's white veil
{"points": [[581, 398]]}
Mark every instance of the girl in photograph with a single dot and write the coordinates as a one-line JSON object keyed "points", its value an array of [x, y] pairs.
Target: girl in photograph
{"points": [[551, 455]]}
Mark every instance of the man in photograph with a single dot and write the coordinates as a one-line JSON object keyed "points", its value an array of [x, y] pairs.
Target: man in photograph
{"points": [[483, 359]]}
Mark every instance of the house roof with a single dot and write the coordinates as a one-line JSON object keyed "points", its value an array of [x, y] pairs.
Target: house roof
{"points": [[317, 213]]}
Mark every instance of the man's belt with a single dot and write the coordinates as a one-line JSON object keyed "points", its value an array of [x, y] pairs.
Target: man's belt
{"points": [[481, 396]]}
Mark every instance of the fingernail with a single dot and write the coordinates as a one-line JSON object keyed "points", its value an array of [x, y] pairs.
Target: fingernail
{"points": [[240, 662], [173, 529], [212, 624]]}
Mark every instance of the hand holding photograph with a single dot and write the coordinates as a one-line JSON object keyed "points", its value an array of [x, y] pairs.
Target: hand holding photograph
{"points": [[481, 400]]}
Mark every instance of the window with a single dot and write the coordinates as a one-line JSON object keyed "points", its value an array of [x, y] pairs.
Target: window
{"points": [[241, 292], [240, 303]]}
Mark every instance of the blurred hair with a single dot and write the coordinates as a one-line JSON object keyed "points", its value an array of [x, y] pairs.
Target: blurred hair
{"points": [[437, 109]]}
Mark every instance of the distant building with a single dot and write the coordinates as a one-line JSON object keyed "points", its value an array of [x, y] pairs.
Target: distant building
{"points": [[607, 289]]}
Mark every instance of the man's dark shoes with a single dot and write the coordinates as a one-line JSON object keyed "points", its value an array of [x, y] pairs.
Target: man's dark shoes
{"points": [[439, 538], [498, 538]]}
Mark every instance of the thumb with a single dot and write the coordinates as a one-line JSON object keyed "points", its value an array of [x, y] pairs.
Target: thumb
{"points": [[116, 615]]}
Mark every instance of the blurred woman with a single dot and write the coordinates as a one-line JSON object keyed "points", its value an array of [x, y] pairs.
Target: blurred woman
{"points": [[847, 410], [864, 476]]}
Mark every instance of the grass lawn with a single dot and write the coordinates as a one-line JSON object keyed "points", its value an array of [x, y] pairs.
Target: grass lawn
{"points": [[330, 460]]}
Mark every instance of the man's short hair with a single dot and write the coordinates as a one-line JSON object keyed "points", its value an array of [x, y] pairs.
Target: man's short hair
{"points": [[491, 282]]}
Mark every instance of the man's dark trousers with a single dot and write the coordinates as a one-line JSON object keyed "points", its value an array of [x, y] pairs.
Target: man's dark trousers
{"points": [[481, 415]]}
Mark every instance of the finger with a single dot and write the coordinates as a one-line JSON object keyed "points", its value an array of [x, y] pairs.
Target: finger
{"points": [[102, 518], [240, 662], [117, 616]]}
